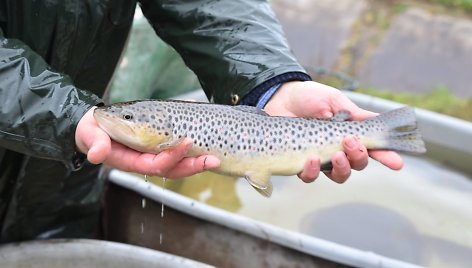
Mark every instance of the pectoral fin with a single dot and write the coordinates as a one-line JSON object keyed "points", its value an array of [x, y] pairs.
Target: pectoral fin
{"points": [[167, 145], [261, 182]]}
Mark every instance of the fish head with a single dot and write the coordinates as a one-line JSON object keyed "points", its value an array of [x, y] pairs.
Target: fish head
{"points": [[136, 125]]}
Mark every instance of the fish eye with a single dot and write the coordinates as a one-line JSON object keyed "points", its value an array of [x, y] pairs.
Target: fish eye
{"points": [[127, 117]]}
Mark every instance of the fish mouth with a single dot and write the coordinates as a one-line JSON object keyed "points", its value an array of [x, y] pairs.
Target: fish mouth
{"points": [[113, 126]]}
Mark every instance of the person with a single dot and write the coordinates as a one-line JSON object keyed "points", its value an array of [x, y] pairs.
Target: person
{"points": [[57, 57]]}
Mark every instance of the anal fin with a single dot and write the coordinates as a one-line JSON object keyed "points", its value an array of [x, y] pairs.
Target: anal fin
{"points": [[261, 182]]}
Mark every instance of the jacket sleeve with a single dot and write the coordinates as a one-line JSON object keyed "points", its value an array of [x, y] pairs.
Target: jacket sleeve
{"points": [[233, 46], [39, 108]]}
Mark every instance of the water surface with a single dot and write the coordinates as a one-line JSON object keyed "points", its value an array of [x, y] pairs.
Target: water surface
{"points": [[421, 214]]}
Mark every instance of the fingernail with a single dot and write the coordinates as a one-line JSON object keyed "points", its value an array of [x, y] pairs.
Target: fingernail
{"points": [[341, 162], [204, 162], [210, 162], [351, 143], [327, 114]]}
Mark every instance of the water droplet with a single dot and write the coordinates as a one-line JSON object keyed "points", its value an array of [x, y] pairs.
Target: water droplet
{"points": [[143, 205], [162, 204]]}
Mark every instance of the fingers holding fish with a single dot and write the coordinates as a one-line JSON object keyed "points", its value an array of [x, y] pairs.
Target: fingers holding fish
{"points": [[311, 170], [341, 168], [389, 159], [192, 165], [171, 163], [356, 153], [99, 150], [127, 159], [91, 140]]}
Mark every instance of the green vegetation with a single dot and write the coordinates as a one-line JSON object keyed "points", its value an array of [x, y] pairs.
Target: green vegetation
{"points": [[439, 100], [465, 5], [399, 8]]}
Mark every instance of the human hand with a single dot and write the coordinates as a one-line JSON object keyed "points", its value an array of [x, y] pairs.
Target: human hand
{"points": [[173, 163], [315, 100]]}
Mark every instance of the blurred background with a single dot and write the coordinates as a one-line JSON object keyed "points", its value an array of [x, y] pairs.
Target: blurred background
{"points": [[417, 52], [412, 51]]}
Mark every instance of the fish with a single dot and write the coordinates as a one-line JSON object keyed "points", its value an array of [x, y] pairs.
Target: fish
{"points": [[248, 142]]}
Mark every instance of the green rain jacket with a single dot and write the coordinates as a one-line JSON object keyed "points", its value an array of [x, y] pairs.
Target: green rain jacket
{"points": [[58, 56]]}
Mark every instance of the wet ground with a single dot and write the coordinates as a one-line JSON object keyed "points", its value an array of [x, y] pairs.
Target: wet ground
{"points": [[403, 48], [420, 214]]}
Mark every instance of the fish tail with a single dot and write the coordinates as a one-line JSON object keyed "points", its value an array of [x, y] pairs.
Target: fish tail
{"points": [[402, 131]]}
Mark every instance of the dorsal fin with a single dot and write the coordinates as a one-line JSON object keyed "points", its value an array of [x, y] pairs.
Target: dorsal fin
{"points": [[250, 109], [341, 116]]}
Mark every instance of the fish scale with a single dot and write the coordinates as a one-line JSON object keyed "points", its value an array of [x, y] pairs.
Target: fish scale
{"points": [[248, 142]]}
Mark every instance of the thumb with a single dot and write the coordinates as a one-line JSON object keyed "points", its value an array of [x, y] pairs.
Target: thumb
{"points": [[361, 114], [99, 147]]}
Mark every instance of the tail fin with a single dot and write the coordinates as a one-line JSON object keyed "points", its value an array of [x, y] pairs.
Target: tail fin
{"points": [[403, 134]]}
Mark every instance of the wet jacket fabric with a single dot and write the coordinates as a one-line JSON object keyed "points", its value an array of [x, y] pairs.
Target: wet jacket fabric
{"points": [[58, 56]]}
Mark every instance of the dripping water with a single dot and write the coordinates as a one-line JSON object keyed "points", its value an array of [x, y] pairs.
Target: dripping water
{"points": [[162, 205], [143, 205], [162, 209]]}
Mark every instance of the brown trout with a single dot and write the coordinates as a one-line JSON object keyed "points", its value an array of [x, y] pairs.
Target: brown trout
{"points": [[249, 142]]}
